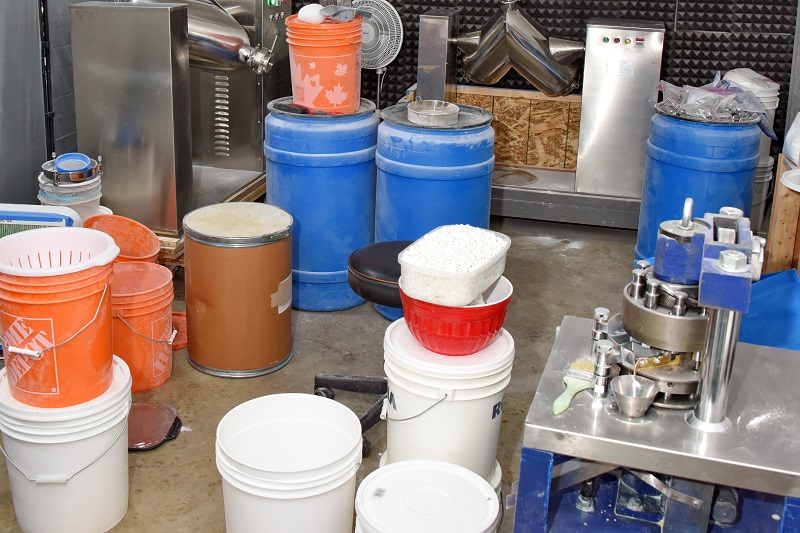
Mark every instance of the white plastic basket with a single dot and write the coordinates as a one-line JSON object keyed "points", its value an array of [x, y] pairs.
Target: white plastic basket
{"points": [[452, 288], [55, 251]]}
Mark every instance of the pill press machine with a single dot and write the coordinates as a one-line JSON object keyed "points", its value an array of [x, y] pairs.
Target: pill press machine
{"points": [[719, 450]]}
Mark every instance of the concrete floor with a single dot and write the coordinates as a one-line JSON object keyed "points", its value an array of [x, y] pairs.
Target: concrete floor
{"points": [[556, 270]]}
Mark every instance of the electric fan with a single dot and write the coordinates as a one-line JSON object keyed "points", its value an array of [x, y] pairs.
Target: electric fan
{"points": [[382, 37]]}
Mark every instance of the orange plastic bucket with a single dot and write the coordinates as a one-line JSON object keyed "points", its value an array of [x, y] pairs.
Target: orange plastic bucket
{"points": [[137, 243], [141, 305], [55, 314], [325, 64]]}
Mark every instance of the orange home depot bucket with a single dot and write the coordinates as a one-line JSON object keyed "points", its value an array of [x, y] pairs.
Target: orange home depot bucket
{"points": [[137, 243], [141, 308], [55, 314], [325, 64]]}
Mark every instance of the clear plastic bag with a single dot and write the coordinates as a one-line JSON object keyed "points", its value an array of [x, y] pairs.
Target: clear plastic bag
{"points": [[721, 101]]}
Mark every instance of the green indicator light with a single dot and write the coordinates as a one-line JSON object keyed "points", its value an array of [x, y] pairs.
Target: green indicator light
{"points": [[605, 39]]}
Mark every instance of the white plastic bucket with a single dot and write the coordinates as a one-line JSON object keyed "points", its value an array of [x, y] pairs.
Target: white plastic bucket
{"points": [[445, 408], [426, 497], [761, 188], [85, 206], [68, 467], [288, 463]]}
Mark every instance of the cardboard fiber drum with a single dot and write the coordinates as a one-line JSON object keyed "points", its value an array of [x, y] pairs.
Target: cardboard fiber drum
{"points": [[238, 259]]}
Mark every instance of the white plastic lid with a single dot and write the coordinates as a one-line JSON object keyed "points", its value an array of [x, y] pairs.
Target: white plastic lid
{"points": [[117, 392], [401, 346], [426, 497], [752, 80], [791, 180]]}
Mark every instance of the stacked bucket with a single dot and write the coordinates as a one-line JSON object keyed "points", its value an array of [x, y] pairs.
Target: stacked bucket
{"points": [[141, 301], [72, 180], [768, 93], [448, 364], [64, 398]]}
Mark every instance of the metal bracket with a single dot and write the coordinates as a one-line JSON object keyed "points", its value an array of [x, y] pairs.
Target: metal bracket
{"points": [[574, 471], [666, 490]]}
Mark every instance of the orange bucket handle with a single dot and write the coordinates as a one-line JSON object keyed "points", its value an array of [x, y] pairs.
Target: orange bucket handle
{"points": [[171, 338], [37, 354]]}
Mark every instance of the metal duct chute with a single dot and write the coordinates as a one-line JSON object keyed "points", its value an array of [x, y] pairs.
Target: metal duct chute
{"points": [[512, 38], [217, 41]]}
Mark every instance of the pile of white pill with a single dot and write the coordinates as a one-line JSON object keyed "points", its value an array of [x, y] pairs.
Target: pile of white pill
{"points": [[452, 265], [456, 248]]}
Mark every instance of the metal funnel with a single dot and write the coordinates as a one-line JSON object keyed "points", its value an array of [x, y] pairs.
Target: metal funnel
{"points": [[634, 394], [512, 38]]}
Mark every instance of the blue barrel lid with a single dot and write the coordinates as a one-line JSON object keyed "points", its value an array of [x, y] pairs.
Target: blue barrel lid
{"points": [[285, 105]]}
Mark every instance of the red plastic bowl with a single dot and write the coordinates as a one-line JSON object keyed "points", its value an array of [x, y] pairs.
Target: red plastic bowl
{"points": [[458, 330]]}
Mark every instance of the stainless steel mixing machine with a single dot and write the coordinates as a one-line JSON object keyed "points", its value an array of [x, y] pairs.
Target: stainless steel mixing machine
{"points": [[163, 91]]}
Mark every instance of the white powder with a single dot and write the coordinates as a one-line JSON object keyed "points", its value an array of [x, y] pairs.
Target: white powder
{"points": [[453, 265], [456, 248]]}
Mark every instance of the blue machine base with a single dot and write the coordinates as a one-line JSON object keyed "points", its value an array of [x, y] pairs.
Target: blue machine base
{"points": [[324, 296], [389, 313], [540, 509]]}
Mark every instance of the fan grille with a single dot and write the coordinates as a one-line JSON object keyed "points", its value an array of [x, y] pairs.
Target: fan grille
{"points": [[383, 33]]}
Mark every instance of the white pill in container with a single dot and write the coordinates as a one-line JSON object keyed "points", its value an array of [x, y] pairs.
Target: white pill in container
{"points": [[452, 265]]}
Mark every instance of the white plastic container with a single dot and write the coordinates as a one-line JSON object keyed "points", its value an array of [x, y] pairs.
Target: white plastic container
{"points": [[452, 288], [84, 206], [68, 467], [445, 408], [426, 497], [83, 197], [288, 463]]}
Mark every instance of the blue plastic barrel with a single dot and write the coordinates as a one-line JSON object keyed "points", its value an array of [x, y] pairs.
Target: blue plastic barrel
{"points": [[432, 176], [714, 164], [321, 169]]}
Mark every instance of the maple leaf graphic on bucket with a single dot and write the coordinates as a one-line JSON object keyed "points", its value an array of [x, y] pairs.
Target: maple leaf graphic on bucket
{"points": [[341, 70], [337, 95]]}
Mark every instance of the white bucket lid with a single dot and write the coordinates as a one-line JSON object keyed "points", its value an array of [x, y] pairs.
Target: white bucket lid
{"points": [[751, 79], [80, 248], [117, 392], [791, 180], [426, 496], [401, 346]]}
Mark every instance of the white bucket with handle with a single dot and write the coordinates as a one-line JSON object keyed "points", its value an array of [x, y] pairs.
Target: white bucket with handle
{"points": [[68, 467], [445, 408], [288, 464]]}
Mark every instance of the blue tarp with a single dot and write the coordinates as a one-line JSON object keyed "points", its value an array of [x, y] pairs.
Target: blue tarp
{"points": [[774, 316]]}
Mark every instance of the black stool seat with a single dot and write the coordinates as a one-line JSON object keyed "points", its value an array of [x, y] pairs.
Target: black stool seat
{"points": [[373, 271]]}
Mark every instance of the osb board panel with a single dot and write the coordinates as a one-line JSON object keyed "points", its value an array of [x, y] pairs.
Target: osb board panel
{"points": [[573, 128], [477, 100], [547, 133], [511, 123]]}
